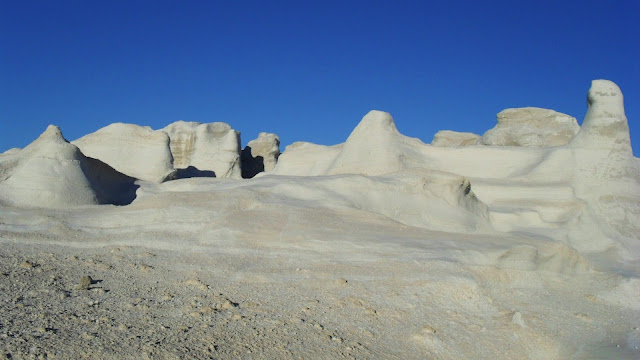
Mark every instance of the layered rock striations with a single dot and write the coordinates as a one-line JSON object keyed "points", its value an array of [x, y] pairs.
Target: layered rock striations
{"points": [[211, 149], [541, 173]]}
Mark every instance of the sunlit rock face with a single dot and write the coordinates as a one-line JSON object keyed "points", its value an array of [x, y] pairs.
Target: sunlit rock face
{"points": [[134, 150], [531, 126], [52, 173], [374, 147], [211, 149], [260, 155], [607, 174], [605, 126], [454, 138]]}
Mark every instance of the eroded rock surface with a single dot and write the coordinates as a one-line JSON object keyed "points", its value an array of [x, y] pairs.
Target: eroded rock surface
{"points": [[530, 126], [131, 149], [211, 149], [260, 155], [52, 173], [454, 138]]}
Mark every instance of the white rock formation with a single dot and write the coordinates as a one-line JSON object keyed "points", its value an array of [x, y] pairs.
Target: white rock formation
{"points": [[605, 124], [11, 151], [454, 138], [306, 159], [607, 175], [211, 149], [52, 173], [260, 155], [586, 193], [131, 149], [375, 147], [416, 197], [531, 126]]}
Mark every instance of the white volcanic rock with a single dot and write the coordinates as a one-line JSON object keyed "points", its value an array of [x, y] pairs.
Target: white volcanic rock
{"points": [[11, 151], [306, 159], [375, 147], [531, 126], [605, 124], [52, 173], [211, 149], [260, 155], [417, 197], [586, 193], [131, 149], [607, 174], [601, 204], [454, 138]]}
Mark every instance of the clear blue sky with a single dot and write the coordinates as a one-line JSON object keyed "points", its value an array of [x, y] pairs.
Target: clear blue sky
{"points": [[307, 70]]}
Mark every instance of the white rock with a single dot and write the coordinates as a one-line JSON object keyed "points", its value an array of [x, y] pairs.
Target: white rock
{"points": [[375, 147], [454, 138], [11, 151], [131, 149], [531, 126], [306, 159], [607, 174], [211, 149], [52, 173], [260, 155], [605, 125]]}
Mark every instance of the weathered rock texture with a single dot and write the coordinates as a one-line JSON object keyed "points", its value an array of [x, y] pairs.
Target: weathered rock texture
{"points": [[531, 126], [375, 147], [211, 149], [260, 155], [52, 173], [131, 149], [454, 138]]}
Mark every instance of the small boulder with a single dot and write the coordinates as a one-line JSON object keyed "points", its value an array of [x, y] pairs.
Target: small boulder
{"points": [[260, 155]]}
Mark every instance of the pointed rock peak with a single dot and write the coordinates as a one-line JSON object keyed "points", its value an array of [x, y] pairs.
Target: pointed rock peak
{"points": [[53, 133], [375, 122], [379, 119]]}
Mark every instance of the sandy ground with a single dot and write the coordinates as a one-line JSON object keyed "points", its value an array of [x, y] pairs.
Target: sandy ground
{"points": [[239, 274]]}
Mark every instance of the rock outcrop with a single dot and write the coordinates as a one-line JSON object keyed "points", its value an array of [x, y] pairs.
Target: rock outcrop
{"points": [[605, 125], [607, 174], [375, 147], [454, 138], [133, 150], [52, 173], [211, 149], [260, 155], [531, 126]]}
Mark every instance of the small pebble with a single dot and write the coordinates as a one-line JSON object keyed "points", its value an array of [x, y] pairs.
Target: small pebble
{"points": [[85, 283]]}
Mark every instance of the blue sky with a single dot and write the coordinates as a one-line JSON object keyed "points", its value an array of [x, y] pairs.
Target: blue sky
{"points": [[307, 70]]}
